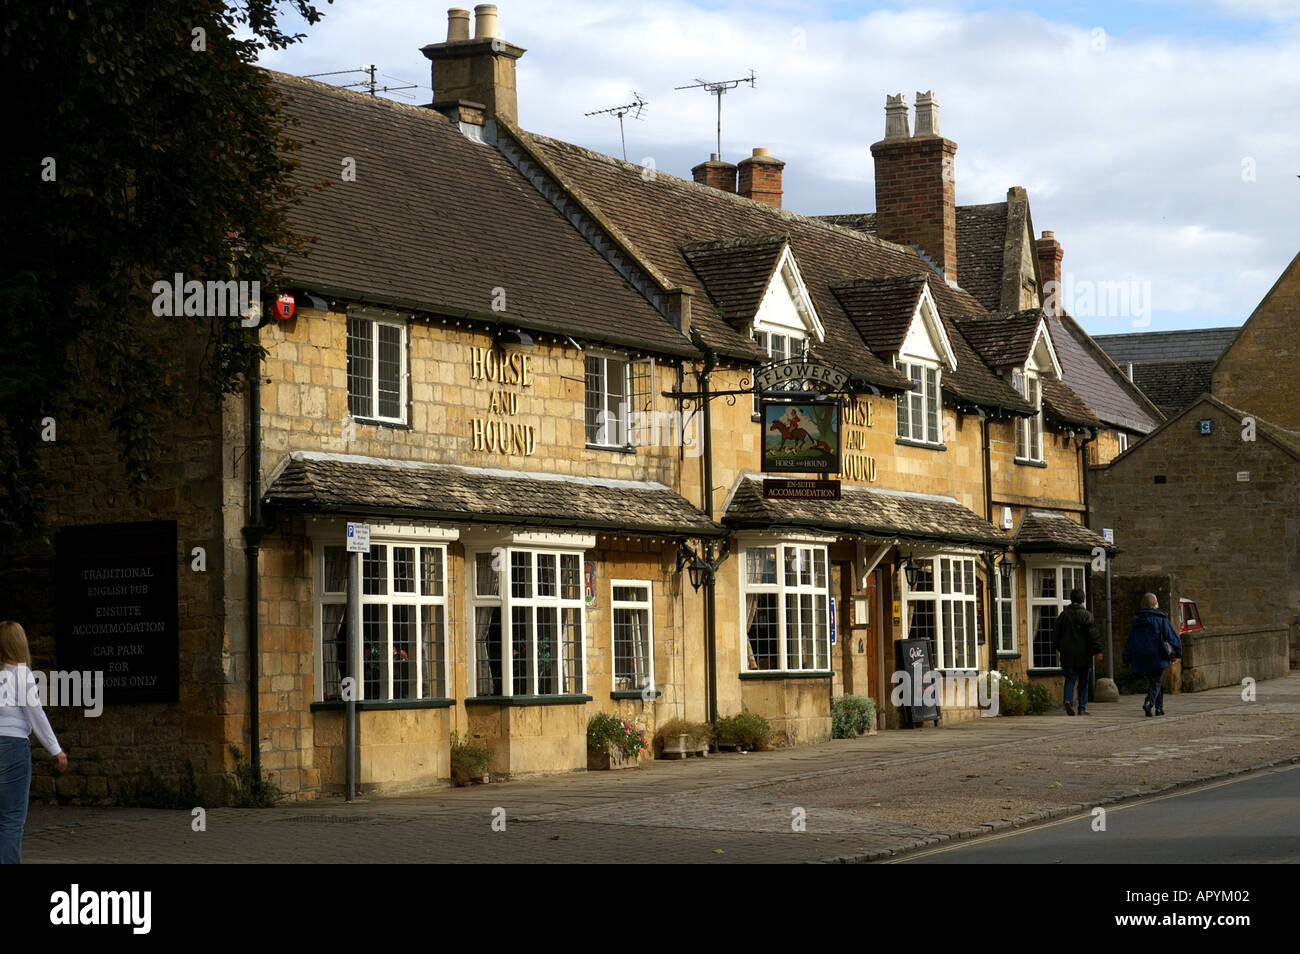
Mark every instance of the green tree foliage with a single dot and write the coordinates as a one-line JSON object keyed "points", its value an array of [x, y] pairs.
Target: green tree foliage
{"points": [[147, 144]]}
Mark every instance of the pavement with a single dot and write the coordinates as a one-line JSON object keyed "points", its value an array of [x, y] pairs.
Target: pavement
{"points": [[847, 800]]}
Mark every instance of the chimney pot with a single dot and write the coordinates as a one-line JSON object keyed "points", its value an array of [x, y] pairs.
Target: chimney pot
{"points": [[896, 117], [485, 21], [927, 113], [760, 151], [457, 24]]}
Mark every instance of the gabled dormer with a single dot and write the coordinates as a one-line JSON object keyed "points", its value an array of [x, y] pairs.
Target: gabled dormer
{"points": [[757, 288], [899, 321]]}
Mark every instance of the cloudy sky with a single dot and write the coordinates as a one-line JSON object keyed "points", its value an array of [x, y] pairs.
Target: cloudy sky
{"points": [[1159, 139]]}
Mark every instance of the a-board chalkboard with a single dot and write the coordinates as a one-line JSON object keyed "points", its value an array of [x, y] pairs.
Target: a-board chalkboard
{"points": [[117, 613], [915, 657]]}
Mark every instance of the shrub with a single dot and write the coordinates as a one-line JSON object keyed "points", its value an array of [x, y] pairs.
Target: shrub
{"points": [[468, 760], [747, 729], [248, 790], [1038, 698], [851, 716], [609, 733], [1013, 697]]}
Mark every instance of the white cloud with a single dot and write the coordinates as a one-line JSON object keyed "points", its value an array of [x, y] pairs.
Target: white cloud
{"points": [[1133, 154]]}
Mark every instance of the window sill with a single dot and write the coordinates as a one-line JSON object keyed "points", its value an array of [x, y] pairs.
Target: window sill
{"points": [[613, 448], [572, 699], [783, 674], [369, 704], [1008, 654], [925, 445], [632, 694], [1025, 462], [1045, 671], [380, 422]]}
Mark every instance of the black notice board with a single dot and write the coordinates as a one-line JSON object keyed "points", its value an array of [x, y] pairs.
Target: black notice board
{"points": [[115, 584], [916, 658]]}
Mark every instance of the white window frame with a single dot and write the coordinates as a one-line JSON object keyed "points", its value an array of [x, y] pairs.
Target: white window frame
{"points": [[811, 651], [647, 679], [947, 598], [920, 410], [617, 428], [999, 598], [435, 602], [503, 561], [1029, 430], [1059, 601], [373, 381], [1122, 441]]}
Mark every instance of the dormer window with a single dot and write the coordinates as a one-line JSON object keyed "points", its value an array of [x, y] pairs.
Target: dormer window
{"points": [[1029, 430], [918, 409]]}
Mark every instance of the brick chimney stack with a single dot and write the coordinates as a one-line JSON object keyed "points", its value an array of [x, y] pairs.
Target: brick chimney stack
{"points": [[478, 71], [1049, 270], [760, 178], [916, 191], [716, 174]]}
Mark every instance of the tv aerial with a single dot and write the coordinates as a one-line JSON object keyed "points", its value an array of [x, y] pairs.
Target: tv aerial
{"points": [[717, 89], [370, 83], [636, 108]]}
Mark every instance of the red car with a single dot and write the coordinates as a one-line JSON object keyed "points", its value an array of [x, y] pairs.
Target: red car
{"points": [[1189, 617]]}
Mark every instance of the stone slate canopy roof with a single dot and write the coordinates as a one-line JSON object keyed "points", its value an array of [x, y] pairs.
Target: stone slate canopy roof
{"points": [[865, 512], [736, 273], [1002, 340], [1052, 532], [331, 483], [881, 308]]}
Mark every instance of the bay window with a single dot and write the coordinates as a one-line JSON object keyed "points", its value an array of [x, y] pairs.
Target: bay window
{"points": [[527, 616], [941, 607], [787, 608], [1049, 593], [403, 604]]}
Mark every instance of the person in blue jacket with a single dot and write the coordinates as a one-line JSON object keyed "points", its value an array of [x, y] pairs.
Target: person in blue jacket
{"points": [[1143, 653]]}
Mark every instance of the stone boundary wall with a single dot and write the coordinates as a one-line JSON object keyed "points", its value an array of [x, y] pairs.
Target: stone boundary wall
{"points": [[1225, 655]]}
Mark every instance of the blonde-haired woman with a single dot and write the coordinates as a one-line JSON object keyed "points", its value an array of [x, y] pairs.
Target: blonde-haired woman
{"points": [[20, 715]]}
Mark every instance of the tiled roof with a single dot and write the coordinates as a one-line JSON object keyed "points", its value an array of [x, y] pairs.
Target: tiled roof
{"points": [[1002, 340], [1087, 371], [1040, 532], [1063, 405], [981, 238], [872, 513], [661, 214], [1173, 386], [436, 222], [736, 273], [324, 483], [881, 308], [1164, 347]]}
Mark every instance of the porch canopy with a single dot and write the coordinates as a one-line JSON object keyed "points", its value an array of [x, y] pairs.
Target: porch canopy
{"points": [[1054, 532], [315, 482], [881, 515]]}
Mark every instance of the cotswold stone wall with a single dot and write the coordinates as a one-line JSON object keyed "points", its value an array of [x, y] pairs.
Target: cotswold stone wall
{"points": [[1217, 512], [1260, 371], [1225, 655], [109, 756]]}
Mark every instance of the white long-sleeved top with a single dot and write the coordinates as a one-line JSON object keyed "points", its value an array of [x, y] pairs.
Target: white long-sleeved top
{"points": [[17, 719]]}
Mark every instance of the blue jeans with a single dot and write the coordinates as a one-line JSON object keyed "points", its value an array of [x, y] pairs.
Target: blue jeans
{"points": [[15, 793], [1156, 689], [1081, 677]]}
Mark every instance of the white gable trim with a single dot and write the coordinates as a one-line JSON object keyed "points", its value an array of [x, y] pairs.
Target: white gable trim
{"points": [[1042, 354], [786, 304], [926, 338]]}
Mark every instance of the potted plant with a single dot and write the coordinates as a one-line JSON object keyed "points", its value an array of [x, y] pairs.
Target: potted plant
{"points": [[469, 762], [676, 736], [745, 732], [613, 743]]}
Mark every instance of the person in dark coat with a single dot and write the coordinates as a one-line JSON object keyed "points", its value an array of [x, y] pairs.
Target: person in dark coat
{"points": [[1143, 654], [1077, 640]]}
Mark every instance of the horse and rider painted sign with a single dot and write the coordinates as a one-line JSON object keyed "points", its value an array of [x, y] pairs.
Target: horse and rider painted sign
{"points": [[801, 437]]}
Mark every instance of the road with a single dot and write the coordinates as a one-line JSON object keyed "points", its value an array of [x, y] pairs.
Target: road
{"points": [[1250, 819]]}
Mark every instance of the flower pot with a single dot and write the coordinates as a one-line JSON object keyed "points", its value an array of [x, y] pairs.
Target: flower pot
{"points": [[677, 746], [599, 760]]}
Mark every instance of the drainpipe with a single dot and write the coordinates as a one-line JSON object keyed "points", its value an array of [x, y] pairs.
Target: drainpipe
{"points": [[252, 543], [710, 605], [989, 568]]}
